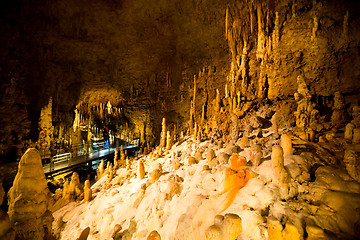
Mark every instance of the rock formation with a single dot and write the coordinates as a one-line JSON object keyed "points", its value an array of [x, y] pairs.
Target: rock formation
{"points": [[225, 228], [30, 189]]}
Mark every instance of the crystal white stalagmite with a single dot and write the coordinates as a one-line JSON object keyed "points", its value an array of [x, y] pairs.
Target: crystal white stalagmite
{"points": [[30, 189]]}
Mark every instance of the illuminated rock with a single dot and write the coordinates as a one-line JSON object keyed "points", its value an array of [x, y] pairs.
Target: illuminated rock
{"points": [[155, 175], [210, 154], [222, 158], [286, 144], [274, 229], [352, 163], [291, 232], [237, 162], [244, 142], [213, 233], [74, 187], [226, 227], [191, 160], [28, 199], [87, 191], [315, 233], [198, 156], [6, 231]]}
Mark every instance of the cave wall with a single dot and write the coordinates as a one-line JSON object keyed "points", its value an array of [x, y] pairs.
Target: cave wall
{"points": [[143, 55]]}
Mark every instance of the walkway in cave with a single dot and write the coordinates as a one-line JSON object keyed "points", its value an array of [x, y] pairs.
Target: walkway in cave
{"points": [[54, 167]]}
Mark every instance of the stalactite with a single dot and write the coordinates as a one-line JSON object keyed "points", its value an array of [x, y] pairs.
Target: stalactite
{"points": [[226, 91], [203, 115], [346, 25], [276, 33], [217, 101], [261, 82], [261, 35], [226, 23], [251, 10]]}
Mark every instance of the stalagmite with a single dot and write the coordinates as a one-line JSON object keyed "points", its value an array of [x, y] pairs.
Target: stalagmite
{"points": [[87, 191], [110, 172], [277, 159], [128, 164], [286, 144], [356, 135], [100, 170], [163, 134], [74, 187], [349, 128], [195, 132], [141, 169], [116, 157], [168, 141], [256, 155], [122, 156], [30, 189], [339, 110]]}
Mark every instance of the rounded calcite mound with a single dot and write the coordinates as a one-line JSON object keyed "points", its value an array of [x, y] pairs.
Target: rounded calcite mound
{"points": [[29, 199]]}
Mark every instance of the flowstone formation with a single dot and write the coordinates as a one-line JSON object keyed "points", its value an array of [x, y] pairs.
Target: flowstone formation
{"points": [[29, 199]]}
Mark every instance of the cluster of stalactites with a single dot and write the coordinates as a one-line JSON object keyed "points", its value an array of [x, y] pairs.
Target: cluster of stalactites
{"points": [[85, 111]]}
